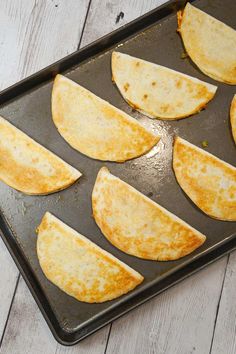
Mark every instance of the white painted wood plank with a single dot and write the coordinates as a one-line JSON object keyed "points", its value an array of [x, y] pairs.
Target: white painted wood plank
{"points": [[180, 321], [11, 27], [28, 333], [8, 276], [103, 14], [33, 34], [26, 330], [224, 340]]}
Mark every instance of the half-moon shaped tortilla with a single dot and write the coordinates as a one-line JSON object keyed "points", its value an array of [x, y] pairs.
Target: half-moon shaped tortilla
{"points": [[28, 167], [78, 266], [233, 117], [94, 127], [209, 42], [137, 225], [157, 91], [208, 181]]}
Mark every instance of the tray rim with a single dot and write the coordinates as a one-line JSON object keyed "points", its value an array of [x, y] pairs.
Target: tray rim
{"points": [[13, 92]]}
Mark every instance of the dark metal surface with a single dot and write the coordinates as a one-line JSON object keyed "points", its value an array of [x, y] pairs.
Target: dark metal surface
{"points": [[27, 105]]}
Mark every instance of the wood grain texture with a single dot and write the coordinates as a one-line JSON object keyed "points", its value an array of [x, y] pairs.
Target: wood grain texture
{"points": [[224, 340], [181, 320], [102, 17], [26, 332], [35, 34], [8, 276]]}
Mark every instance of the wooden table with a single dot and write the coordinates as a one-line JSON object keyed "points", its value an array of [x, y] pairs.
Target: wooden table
{"points": [[196, 316]]}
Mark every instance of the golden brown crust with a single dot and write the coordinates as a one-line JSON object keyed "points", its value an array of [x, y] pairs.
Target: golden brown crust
{"points": [[29, 167], [79, 267], [209, 43], [137, 225], [233, 117], [157, 91], [179, 19], [96, 128], [208, 181]]}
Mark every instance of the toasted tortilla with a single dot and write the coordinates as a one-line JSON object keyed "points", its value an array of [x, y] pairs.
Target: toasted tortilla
{"points": [[157, 91], [208, 181], [137, 225], [96, 128], [28, 167], [210, 43], [233, 117], [78, 266]]}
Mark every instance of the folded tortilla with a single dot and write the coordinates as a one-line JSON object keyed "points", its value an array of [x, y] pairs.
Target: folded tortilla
{"points": [[28, 167], [210, 43], [157, 91], [78, 266], [208, 181], [137, 225], [96, 128]]}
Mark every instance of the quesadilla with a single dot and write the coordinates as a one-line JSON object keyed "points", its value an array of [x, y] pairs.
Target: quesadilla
{"points": [[137, 225], [79, 267], [157, 91], [28, 167], [233, 117], [210, 43], [208, 181], [96, 128]]}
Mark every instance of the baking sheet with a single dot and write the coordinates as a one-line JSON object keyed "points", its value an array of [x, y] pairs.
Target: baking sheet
{"points": [[151, 174]]}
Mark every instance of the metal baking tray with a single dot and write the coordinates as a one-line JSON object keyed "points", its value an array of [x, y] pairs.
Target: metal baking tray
{"points": [[27, 105]]}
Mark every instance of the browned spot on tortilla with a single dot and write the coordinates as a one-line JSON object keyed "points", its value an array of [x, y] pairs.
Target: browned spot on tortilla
{"points": [[202, 92], [137, 63], [178, 83], [133, 105], [179, 19], [165, 107], [126, 86], [145, 96], [154, 83]]}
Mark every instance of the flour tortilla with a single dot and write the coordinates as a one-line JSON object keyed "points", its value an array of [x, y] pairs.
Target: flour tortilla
{"points": [[210, 43], [96, 128], [208, 181], [157, 91], [28, 167], [137, 225], [233, 117], [78, 266]]}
